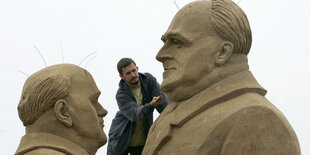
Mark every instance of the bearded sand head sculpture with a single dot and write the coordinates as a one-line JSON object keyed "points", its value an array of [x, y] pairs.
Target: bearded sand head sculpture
{"points": [[59, 108], [217, 106]]}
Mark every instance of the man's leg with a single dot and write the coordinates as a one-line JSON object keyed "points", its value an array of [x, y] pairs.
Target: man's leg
{"points": [[126, 152], [135, 150]]}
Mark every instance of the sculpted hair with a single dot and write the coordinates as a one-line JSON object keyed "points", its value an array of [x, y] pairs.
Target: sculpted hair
{"points": [[124, 62], [41, 94], [231, 23]]}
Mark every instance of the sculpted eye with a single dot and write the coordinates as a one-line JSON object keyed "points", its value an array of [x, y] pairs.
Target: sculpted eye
{"points": [[95, 102], [176, 42], [164, 40]]}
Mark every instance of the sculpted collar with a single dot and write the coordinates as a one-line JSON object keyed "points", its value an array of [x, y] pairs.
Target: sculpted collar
{"points": [[175, 116], [228, 88], [44, 140]]}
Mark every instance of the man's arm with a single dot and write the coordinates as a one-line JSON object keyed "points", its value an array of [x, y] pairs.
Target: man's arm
{"points": [[164, 103], [156, 92], [130, 109]]}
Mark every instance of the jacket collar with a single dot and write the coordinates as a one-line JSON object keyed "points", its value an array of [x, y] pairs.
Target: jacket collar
{"points": [[44, 140]]}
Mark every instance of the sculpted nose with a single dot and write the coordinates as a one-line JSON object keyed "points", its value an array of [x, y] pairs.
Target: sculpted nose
{"points": [[163, 54], [101, 111]]}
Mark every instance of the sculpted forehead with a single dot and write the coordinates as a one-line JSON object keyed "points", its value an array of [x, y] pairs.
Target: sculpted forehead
{"points": [[193, 20], [83, 81]]}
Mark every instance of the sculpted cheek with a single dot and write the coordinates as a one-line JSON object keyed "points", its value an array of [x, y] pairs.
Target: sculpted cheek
{"points": [[199, 64]]}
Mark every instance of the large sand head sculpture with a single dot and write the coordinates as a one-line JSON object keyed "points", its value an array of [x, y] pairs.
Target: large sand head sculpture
{"points": [[216, 105], [199, 43], [63, 100]]}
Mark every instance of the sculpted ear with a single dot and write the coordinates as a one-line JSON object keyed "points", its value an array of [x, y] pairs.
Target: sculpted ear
{"points": [[224, 53], [62, 114]]}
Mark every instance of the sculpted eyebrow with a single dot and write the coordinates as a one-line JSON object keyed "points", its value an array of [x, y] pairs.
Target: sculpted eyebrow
{"points": [[175, 35], [95, 95]]}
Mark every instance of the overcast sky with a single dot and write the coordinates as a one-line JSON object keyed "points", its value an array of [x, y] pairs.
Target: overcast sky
{"points": [[279, 57]]}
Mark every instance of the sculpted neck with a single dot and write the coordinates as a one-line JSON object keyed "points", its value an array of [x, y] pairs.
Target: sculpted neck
{"points": [[48, 123], [236, 64]]}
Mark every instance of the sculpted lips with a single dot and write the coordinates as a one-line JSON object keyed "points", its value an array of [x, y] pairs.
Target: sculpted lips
{"points": [[168, 65], [168, 71], [101, 123], [171, 68]]}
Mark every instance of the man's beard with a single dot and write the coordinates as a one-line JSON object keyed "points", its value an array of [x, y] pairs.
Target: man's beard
{"points": [[135, 83]]}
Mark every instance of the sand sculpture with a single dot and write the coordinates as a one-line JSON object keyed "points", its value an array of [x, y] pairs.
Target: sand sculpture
{"points": [[217, 106], [59, 108]]}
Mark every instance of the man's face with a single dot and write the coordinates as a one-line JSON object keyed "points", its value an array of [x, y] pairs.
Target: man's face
{"points": [[190, 47], [85, 110], [130, 75]]}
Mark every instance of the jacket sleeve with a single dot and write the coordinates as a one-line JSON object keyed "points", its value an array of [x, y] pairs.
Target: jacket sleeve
{"points": [[119, 134], [130, 109]]}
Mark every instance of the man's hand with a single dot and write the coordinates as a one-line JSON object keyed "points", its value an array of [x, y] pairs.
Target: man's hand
{"points": [[156, 101]]}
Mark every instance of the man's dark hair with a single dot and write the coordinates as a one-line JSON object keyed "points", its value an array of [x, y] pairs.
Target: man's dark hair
{"points": [[124, 62]]}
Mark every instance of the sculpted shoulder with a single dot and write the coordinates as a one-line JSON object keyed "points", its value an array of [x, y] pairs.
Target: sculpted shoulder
{"points": [[235, 126], [43, 151]]}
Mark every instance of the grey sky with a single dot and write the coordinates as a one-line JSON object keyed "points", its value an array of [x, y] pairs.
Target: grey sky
{"points": [[279, 56]]}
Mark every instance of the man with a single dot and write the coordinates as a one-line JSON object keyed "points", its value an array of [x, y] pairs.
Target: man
{"points": [[137, 96], [217, 107], [59, 108]]}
